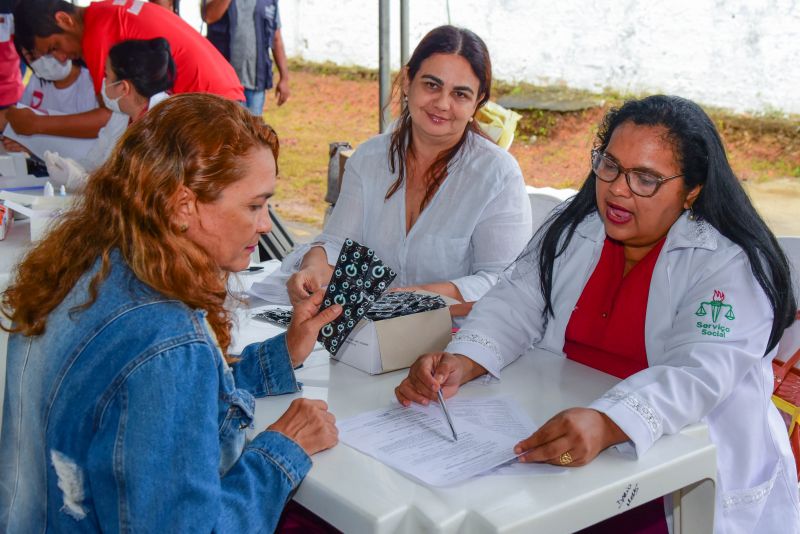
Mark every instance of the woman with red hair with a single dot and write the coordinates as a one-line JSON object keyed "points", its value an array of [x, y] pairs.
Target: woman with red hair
{"points": [[123, 408]]}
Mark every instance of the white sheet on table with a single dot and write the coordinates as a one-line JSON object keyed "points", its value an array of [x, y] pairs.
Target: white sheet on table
{"points": [[417, 440]]}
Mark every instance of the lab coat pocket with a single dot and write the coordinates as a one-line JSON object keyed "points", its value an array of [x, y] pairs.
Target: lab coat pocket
{"points": [[443, 258], [742, 508]]}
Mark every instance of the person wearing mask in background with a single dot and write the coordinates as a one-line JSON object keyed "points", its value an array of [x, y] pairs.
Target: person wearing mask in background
{"points": [[65, 31], [137, 76], [57, 87], [125, 410], [245, 31], [11, 80]]}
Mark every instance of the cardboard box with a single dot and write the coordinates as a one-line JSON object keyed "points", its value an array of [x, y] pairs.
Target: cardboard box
{"points": [[377, 347]]}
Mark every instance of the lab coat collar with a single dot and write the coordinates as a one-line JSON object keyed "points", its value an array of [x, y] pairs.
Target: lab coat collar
{"points": [[157, 99]]}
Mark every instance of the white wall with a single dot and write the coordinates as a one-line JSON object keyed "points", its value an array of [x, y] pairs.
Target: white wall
{"points": [[738, 54]]}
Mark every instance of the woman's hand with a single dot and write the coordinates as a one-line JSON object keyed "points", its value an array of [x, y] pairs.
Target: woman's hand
{"points": [[461, 310], [12, 146], [306, 323], [305, 282], [433, 371], [310, 424], [572, 438]]}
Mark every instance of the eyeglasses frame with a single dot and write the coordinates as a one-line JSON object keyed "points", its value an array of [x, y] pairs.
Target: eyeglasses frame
{"points": [[622, 170]]}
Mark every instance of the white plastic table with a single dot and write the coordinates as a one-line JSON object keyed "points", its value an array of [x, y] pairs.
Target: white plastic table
{"points": [[357, 493]]}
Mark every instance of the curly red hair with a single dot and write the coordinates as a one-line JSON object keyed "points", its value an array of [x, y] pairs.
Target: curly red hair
{"points": [[194, 140]]}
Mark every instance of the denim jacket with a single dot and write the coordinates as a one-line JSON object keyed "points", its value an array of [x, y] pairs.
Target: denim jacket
{"points": [[125, 417]]}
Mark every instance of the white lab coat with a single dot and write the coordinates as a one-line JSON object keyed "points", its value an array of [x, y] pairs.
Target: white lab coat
{"points": [[703, 364]]}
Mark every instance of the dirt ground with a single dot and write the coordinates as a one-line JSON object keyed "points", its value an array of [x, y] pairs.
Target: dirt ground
{"points": [[328, 107]]}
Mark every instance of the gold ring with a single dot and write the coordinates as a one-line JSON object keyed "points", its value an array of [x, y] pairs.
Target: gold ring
{"points": [[565, 458]]}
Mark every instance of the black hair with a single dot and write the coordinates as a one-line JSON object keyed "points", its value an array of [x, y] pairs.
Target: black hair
{"points": [[176, 5], [37, 18], [146, 63], [442, 40], [722, 201]]}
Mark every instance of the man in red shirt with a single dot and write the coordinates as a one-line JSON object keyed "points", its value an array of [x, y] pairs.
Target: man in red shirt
{"points": [[65, 31]]}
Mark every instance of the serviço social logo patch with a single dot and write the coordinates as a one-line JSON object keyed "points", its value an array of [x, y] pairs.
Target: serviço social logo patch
{"points": [[715, 306]]}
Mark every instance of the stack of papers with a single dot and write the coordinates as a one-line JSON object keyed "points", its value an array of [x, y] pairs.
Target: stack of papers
{"points": [[272, 288], [417, 440]]}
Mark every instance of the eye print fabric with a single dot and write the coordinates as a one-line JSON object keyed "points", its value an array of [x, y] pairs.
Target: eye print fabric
{"points": [[388, 306], [278, 316], [359, 278], [400, 303]]}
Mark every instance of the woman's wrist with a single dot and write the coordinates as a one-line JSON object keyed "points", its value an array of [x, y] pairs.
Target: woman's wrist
{"points": [[613, 434], [316, 259], [470, 369]]}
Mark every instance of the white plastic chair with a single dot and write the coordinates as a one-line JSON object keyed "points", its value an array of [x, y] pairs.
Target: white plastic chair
{"points": [[543, 200]]}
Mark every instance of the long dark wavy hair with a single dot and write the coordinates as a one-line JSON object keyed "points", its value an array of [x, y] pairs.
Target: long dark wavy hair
{"points": [[441, 40], [722, 202]]}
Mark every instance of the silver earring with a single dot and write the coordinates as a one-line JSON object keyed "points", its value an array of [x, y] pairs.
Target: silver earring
{"points": [[471, 119], [692, 215]]}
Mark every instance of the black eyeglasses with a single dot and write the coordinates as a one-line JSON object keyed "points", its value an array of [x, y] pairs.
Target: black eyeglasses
{"points": [[640, 183]]}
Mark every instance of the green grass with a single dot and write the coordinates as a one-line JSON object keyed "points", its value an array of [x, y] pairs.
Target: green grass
{"points": [[334, 103]]}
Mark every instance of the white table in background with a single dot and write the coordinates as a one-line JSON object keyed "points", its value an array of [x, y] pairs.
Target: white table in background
{"points": [[357, 493], [12, 248]]}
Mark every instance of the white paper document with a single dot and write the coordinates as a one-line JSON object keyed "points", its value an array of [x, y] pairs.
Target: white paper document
{"points": [[272, 288], [417, 440]]}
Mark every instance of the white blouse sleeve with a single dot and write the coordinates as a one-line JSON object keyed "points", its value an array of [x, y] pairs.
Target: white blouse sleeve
{"points": [[700, 366], [502, 232], [506, 321], [345, 221]]}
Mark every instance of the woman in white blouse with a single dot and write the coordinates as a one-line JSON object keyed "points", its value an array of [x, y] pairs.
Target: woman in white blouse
{"points": [[437, 201]]}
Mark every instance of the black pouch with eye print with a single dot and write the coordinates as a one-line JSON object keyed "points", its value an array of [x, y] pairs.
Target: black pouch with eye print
{"points": [[401, 303], [359, 278]]}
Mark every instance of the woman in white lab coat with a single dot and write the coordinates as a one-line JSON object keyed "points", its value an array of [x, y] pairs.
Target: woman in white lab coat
{"points": [[659, 272]]}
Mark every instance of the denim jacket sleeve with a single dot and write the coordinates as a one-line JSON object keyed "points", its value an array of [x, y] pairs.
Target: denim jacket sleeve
{"points": [[154, 460], [265, 368]]}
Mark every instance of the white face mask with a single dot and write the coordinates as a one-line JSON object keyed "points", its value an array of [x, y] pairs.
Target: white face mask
{"points": [[49, 68], [111, 103]]}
